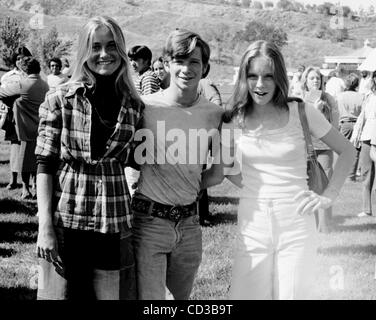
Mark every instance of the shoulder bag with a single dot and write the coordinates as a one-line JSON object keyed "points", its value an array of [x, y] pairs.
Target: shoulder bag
{"points": [[317, 179]]}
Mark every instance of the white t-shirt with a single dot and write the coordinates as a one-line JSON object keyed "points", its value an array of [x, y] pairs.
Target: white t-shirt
{"points": [[334, 86], [369, 108], [11, 77], [273, 163], [55, 80], [174, 153]]}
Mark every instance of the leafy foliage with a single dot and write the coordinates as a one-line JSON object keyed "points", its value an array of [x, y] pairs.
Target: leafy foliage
{"points": [[268, 4], [12, 35], [245, 3], [257, 5], [218, 37], [323, 31], [49, 45], [258, 30]]}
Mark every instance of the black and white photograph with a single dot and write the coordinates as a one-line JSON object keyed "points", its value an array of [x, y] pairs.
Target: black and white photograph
{"points": [[206, 152]]}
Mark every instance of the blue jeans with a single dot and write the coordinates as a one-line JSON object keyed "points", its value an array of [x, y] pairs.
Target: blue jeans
{"points": [[167, 254]]}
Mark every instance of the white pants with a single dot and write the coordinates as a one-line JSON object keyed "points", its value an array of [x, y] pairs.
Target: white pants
{"points": [[275, 251]]}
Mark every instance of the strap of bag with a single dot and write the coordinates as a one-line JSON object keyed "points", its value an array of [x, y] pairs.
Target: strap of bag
{"points": [[307, 135]]}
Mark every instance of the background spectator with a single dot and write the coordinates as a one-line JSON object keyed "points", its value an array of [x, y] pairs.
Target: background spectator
{"points": [[349, 105], [28, 93], [147, 81], [56, 77]]}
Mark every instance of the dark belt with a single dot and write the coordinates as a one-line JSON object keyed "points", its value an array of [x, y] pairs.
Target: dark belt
{"points": [[173, 213], [347, 121]]}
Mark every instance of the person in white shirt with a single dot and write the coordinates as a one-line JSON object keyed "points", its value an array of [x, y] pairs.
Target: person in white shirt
{"points": [[276, 241], [335, 84], [56, 77]]}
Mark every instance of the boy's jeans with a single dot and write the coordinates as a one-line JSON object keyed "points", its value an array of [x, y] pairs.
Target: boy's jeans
{"points": [[167, 253]]}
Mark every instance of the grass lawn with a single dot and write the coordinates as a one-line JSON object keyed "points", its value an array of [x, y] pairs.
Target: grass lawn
{"points": [[347, 255]]}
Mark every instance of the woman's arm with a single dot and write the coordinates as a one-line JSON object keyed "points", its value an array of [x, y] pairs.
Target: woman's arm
{"points": [[47, 247], [212, 176], [372, 152], [346, 156], [48, 147]]}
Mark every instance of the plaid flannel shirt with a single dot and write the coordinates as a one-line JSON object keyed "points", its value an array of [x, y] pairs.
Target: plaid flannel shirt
{"points": [[88, 194]]}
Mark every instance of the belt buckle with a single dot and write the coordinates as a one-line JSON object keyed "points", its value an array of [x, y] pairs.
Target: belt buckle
{"points": [[175, 214]]}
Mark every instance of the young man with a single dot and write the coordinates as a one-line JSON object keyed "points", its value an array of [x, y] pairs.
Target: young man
{"points": [[147, 81], [179, 125], [56, 77]]}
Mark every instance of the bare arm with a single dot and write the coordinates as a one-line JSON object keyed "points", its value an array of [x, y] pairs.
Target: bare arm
{"points": [[311, 201], [212, 176], [346, 157], [372, 152], [47, 247]]}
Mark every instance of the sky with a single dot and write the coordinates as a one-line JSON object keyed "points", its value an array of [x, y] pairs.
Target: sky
{"points": [[353, 4]]}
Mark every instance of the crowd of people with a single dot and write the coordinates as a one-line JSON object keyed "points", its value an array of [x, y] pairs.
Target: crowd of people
{"points": [[123, 162], [347, 101]]}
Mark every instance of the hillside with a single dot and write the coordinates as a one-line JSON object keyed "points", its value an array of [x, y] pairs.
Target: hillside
{"points": [[149, 21]]}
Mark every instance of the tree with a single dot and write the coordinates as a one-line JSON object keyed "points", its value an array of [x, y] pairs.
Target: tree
{"points": [[218, 35], [298, 6], [324, 9], [245, 3], [285, 5], [371, 10], [257, 5], [49, 45], [12, 36], [341, 35], [268, 4], [346, 11], [53, 8], [258, 30]]}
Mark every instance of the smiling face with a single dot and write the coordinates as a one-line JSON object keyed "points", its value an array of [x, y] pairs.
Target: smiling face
{"points": [[159, 69], [313, 80], [104, 58], [260, 79], [55, 68], [186, 72]]}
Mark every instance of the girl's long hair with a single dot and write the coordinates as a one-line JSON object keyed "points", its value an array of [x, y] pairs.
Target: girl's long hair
{"points": [[305, 77], [241, 100], [81, 72]]}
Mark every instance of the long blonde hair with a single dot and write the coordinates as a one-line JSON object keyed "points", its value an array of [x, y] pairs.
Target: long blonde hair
{"points": [[305, 77], [241, 98], [81, 72]]}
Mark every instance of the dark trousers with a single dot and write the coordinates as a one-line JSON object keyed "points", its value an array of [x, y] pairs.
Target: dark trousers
{"points": [[203, 205], [346, 128], [368, 177]]}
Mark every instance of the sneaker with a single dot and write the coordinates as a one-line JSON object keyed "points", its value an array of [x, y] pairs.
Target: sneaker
{"points": [[363, 214]]}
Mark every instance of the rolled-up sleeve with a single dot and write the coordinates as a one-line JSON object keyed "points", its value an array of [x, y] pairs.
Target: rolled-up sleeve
{"points": [[50, 127]]}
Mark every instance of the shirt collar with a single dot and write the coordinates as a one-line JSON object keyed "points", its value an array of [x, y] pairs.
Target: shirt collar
{"points": [[74, 87]]}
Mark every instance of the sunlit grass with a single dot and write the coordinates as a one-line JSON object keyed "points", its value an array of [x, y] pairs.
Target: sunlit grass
{"points": [[346, 256]]}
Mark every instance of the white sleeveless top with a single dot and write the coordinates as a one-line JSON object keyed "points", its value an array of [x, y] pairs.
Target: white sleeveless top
{"points": [[273, 163]]}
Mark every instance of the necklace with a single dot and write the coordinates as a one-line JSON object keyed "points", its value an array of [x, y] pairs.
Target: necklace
{"points": [[104, 122]]}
